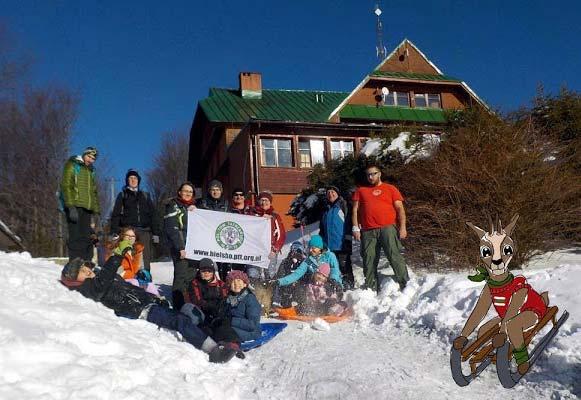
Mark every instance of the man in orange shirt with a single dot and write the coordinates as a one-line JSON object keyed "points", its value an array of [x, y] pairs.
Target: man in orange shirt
{"points": [[375, 210]]}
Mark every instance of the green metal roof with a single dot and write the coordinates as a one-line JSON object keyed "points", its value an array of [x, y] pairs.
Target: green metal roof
{"points": [[226, 105], [391, 113], [414, 76]]}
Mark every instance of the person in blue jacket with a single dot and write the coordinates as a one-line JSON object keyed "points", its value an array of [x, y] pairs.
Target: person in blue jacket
{"points": [[318, 255], [239, 318], [242, 307], [335, 229]]}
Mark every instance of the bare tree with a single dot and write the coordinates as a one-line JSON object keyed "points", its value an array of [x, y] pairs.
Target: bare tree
{"points": [[35, 132], [170, 167], [34, 138]]}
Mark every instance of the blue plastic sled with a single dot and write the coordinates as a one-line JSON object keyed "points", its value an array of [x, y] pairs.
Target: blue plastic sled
{"points": [[269, 330]]}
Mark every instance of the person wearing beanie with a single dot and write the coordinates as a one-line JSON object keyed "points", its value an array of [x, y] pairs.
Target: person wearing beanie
{"points": [[318, 254], [108, 288], [238, 205], [265, 209], [240, 318], [214, 199], [283, 296], [335, 229], [206, 291], [322, 295], [80, 201], [134, 208]]}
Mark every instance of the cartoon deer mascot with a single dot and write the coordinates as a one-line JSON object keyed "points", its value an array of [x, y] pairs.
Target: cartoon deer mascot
{"points": [[518, 305]]}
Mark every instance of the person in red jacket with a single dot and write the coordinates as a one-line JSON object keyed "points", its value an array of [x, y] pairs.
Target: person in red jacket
{"points": [[206, 291], [278, 233]]}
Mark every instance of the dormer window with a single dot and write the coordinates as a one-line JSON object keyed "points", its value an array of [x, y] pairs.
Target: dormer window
{"points": [[401, 99], [427, 100]]}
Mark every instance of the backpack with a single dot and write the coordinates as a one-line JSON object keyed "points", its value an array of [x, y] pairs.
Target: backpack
{"points": [[60, 198]]}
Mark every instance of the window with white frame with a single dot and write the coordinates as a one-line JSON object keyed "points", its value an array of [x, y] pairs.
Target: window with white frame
{"points": [[276, 153], [311, 152], [429, 100], [401, 99], [341, 148]]}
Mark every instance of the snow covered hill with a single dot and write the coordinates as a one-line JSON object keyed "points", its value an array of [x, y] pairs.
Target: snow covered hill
{"points": [[55, 344]]}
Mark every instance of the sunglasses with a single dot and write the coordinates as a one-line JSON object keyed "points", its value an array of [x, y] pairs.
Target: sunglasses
{"points": [[373, 173], [238, 195]]}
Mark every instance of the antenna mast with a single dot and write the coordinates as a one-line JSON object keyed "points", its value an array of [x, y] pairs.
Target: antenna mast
{"points": [[380, 48]]}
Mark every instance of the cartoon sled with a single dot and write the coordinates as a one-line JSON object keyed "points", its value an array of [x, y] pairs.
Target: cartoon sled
{"points": [[522, 313]]}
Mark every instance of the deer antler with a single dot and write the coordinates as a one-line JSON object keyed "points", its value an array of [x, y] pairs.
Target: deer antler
{"points": [[479, 232], [491, 223], [511, 225]]}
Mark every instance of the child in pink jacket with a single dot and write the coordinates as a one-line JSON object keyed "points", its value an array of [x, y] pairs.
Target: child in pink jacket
{"points": [[323, 295]]}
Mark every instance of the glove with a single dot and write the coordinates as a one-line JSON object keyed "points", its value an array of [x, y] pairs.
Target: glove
{"points": [[460, 342], [73, 215], [161, 301], [155, 239], [123, 247]]}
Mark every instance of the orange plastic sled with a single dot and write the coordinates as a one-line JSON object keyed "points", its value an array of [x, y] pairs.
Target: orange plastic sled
{"points": [[291, 313]]}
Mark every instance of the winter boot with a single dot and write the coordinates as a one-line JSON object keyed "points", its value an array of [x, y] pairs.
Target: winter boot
{"points": [[221, 354]]}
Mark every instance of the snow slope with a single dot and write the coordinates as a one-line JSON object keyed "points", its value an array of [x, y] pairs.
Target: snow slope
{"points": [[55, 344]]}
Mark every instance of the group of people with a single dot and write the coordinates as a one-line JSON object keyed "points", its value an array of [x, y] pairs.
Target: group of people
{"points": [[213, 304], [176, 231]]}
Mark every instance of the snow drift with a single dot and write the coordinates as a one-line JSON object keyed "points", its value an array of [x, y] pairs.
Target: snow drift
{"points": [[55, 344]]}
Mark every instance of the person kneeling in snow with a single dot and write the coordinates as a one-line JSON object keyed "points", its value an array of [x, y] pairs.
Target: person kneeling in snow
{"points": [[239, 318], [283, 296], [318, 255], [322, 295], [127, 300]]}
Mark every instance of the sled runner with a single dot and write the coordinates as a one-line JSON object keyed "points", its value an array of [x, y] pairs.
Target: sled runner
{"points": [[269, 331], [291, 314], [482, 352]]}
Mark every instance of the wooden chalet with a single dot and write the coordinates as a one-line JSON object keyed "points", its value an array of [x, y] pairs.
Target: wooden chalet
{"points": [[262, 139]]}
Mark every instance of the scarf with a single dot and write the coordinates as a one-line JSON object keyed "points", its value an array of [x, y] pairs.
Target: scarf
{"points": [[184, 202], [235, 298], [482, 275]]}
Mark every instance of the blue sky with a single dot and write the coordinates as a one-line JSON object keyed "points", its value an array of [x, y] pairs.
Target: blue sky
{"points": [[140, 67]]}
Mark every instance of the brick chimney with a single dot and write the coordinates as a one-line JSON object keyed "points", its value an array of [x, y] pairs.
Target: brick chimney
{"points": [[251, 85]]}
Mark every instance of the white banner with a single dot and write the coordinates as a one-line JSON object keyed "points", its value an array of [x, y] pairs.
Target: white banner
{"points": [[225, 237]]}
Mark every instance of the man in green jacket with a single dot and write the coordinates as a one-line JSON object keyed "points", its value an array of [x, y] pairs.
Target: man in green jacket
{"points": [[79, 191]]}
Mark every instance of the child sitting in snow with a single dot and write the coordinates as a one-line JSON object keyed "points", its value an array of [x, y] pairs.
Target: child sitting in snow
{"points": [[303, 274], [130, 268], [284, 295], [206, 291], [239, 319], [322, 295]]}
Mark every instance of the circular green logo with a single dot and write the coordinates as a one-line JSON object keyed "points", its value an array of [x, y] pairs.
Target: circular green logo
{"points": [[229, 235]]}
